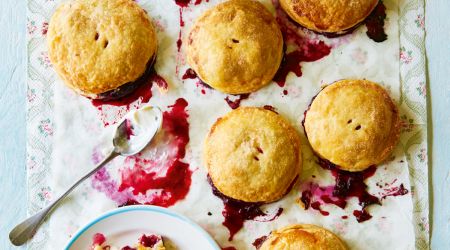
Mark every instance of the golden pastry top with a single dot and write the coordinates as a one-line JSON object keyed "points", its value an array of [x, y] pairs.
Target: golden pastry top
{"points": [[235, 47], [304, 237], [99, 45], [331, 16], [353, 124], [253, 155]]}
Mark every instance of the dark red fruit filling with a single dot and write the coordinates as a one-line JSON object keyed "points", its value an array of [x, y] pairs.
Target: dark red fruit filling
{"points": [[259, 241], [271, 108], [234, 104], [129, 87], [375, 23], [236, 212], [228, 248]]}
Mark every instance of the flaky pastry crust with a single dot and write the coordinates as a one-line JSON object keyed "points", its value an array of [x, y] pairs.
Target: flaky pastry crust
{"points": [[353, 124], [235, 47], [329, 16], [99, 45], [304, 237], [253, 155]]}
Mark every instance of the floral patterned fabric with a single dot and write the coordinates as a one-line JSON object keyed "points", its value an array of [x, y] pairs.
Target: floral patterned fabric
{"points": [[40, 110]]}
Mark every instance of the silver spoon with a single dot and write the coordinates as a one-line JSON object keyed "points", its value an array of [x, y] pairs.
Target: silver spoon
{"points": [[132, 135]]}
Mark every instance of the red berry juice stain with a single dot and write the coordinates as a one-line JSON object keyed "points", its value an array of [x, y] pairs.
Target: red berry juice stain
{"points": [[236, 212], [395, 191], [228, 248], [271, 108], [44, 28], [161, 178], [189, 74], [285, 92], [177, 181], [311, 52], [347, 185], [139, 89], [305, 49], [114, 104], [375, 23], [184, 4], [259, 241], [174, 185], [234, 104], [128, 129]]}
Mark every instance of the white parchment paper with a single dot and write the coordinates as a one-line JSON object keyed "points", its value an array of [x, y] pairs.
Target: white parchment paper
{"points": [[80, 131]]}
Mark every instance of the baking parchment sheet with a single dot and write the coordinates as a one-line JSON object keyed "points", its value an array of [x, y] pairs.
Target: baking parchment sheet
{"points": [[79, 132]]}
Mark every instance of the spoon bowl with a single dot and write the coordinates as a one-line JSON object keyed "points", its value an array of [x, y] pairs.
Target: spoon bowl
{"points": [[137, 130]]}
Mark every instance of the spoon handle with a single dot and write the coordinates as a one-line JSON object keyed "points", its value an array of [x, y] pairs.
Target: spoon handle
{"points": [[25, 230]]}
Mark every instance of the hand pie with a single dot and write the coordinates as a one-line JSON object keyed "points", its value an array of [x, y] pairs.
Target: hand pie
{"points": [[353, 124], [329, 16], [235, 47], [102, 48], [253, 155], [304, 237]]}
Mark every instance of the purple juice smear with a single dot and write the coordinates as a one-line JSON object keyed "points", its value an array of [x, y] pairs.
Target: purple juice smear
{"points": [[237, 212], [375, 23]]}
